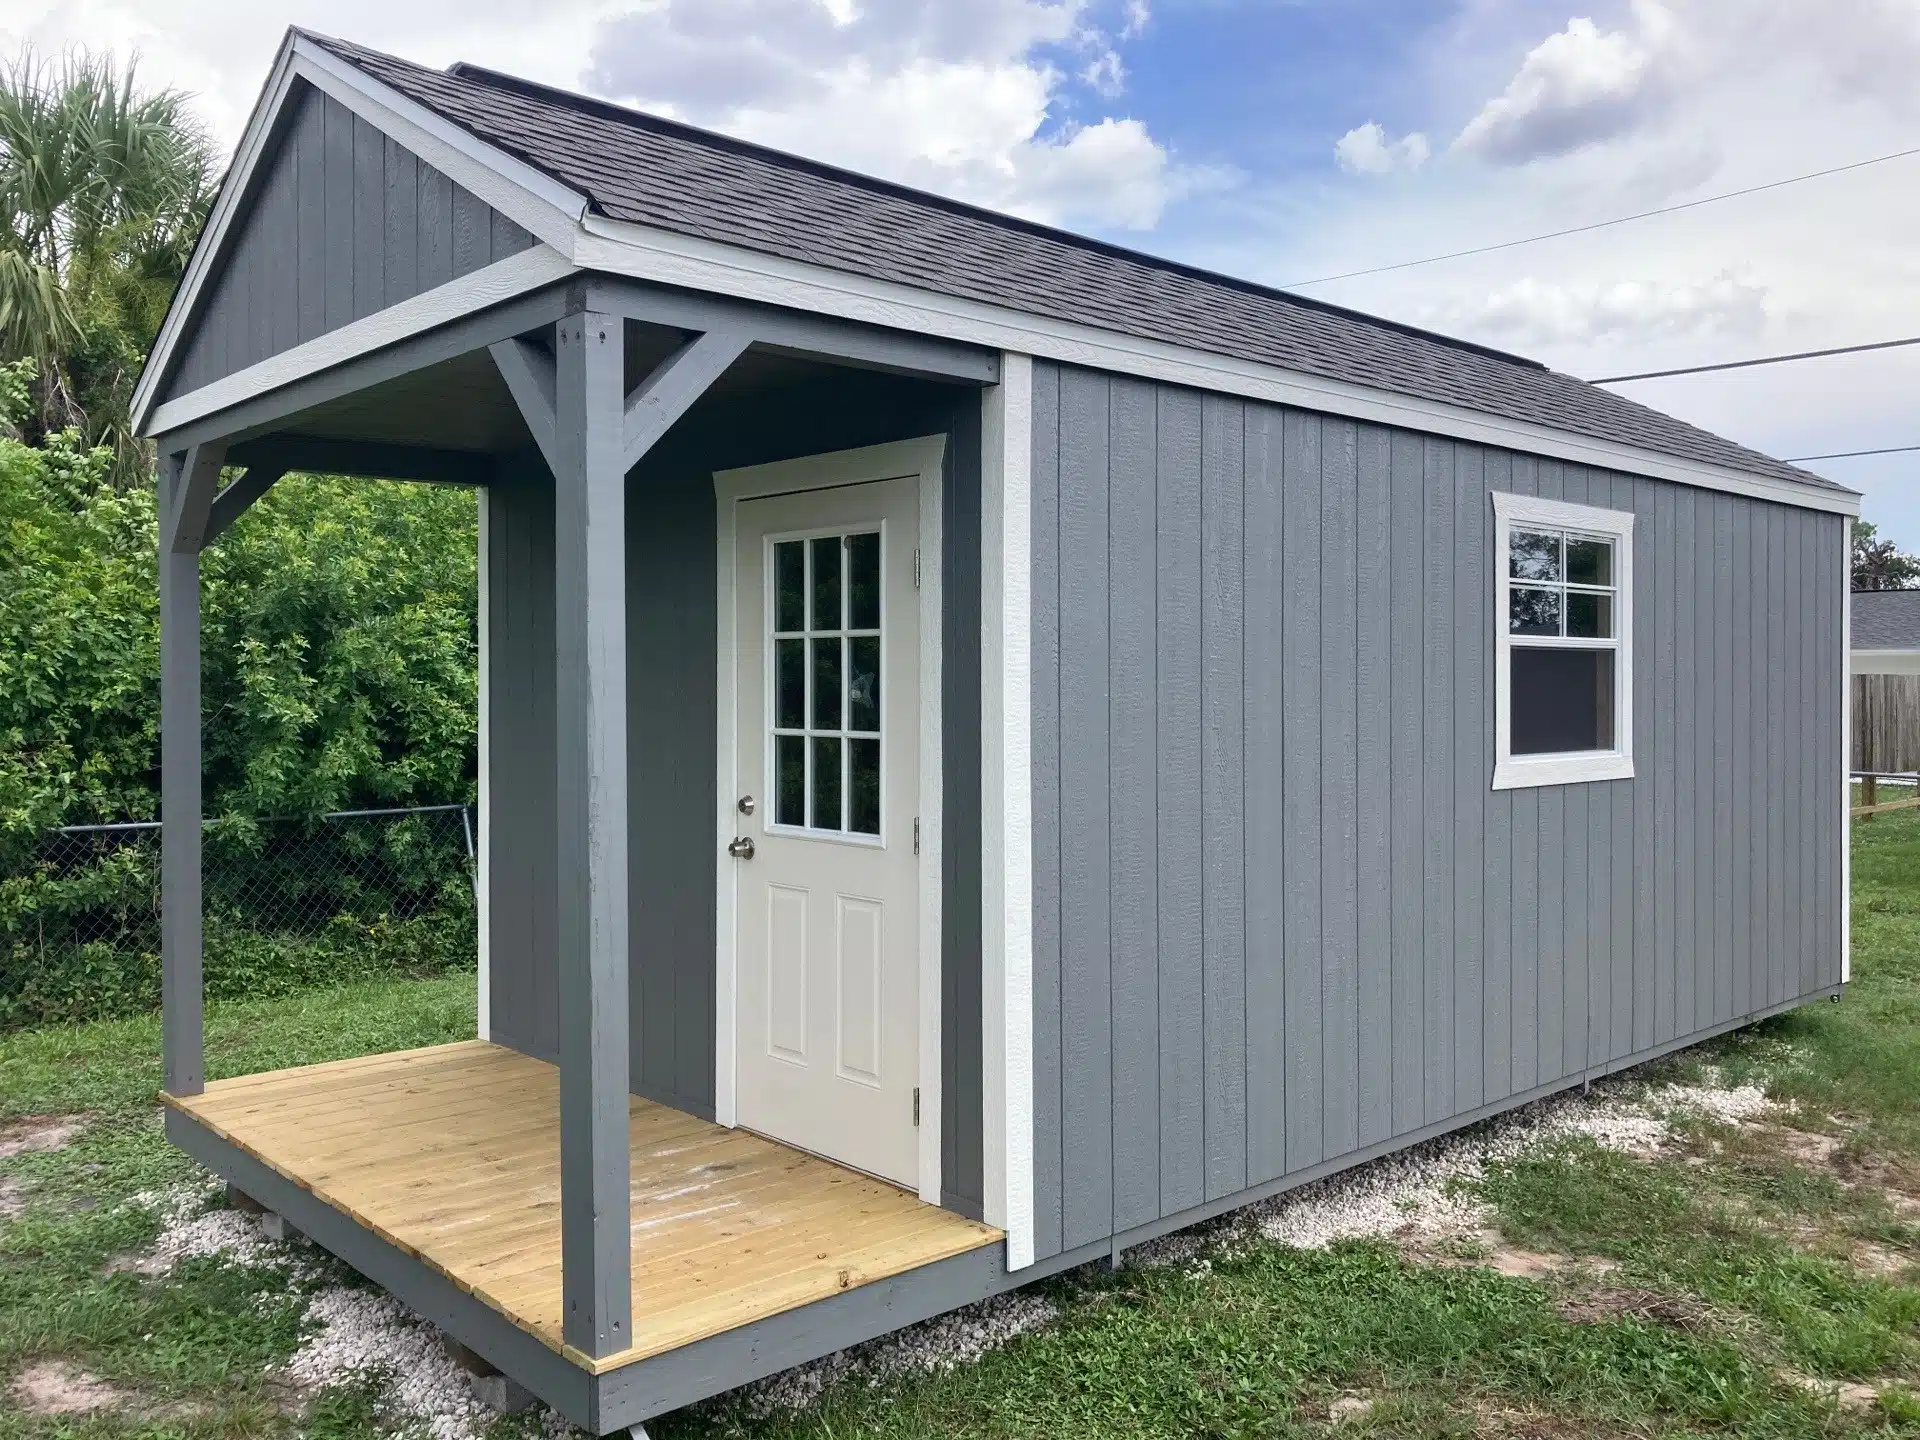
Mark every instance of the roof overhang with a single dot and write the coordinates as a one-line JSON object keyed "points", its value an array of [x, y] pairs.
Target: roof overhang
{"points": [[574, 238]]}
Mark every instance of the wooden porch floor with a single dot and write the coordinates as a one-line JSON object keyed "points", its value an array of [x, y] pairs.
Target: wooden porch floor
{"points": [[453, 1154]]}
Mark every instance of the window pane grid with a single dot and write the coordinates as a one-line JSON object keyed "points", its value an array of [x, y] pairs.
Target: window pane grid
{"points": [[824, 712], [1546, 607]]}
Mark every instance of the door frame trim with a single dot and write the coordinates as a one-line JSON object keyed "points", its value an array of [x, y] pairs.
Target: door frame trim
{"points": [[923, 458]]}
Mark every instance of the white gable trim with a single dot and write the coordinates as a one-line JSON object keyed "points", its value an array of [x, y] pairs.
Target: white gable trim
{"points": [[532, 200], [645, 253]]}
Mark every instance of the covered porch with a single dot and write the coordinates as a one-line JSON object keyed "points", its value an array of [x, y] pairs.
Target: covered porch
{"points": [[571, 1194]]}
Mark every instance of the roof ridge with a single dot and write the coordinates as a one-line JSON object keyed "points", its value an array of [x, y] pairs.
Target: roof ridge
{"points": [[660, 124]]}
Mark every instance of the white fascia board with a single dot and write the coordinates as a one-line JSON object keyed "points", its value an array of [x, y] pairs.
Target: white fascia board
{"points": [[1886, 662], [246, 156], [536, 202], [503, 280], [645, 253]]}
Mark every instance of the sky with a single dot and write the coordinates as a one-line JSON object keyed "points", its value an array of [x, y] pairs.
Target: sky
{"points": [[1291, 140]]}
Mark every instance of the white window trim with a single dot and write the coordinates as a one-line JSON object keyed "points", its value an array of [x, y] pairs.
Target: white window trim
{"points": [[1515, 772]]}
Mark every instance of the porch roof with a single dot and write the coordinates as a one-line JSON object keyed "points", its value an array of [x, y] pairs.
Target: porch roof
{"points": [[630, 166]]}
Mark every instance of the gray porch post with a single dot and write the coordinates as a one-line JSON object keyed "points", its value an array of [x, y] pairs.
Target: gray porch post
{"points": [[590, 652], [182, 1041]]}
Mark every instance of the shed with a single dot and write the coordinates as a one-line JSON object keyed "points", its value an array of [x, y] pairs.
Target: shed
{"points": [[994, 747], [1885, 637]]}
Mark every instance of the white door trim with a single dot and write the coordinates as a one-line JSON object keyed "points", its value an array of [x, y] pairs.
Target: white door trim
{"points": [[922, 457]]}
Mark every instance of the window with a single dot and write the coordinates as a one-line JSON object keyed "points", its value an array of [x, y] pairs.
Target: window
{"points": [[825, 690], [1563, 653]]}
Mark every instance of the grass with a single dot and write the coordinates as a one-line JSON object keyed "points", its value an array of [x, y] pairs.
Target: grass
{"points": [[1708, 1285]]}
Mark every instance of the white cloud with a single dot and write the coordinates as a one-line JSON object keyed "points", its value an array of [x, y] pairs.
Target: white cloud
{"points": [[1367, 150], [1579, 87], [1534, 312], [1106, 74], [1137, 16]]}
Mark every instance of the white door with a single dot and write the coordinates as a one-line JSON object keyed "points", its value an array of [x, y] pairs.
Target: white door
{"points": [[828, 694]]}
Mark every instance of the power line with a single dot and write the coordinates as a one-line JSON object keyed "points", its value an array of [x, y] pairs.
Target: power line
{"points": [[1762, 360], [1851, 454], [1603, 224]]}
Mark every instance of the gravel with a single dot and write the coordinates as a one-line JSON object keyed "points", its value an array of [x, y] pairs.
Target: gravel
{"points": [[189, 1230], [362, 1334]]}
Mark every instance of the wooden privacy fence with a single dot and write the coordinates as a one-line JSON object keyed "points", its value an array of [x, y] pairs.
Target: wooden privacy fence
{"points": [[1886, 725]]}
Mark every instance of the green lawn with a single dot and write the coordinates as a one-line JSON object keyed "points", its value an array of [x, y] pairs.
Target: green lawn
{"points": [[1722, 1287]]}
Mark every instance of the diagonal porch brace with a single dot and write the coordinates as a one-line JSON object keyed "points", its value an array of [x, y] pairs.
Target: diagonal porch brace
{"points": [[530, 373], [184, 513], [682, 378], [234, 501], [591, 922]]}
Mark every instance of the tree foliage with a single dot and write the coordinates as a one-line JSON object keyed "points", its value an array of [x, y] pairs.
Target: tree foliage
{"points": [[1880, 564]]}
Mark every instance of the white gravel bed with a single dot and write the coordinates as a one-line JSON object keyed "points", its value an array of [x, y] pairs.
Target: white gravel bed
{"points": [[364, 1333]]}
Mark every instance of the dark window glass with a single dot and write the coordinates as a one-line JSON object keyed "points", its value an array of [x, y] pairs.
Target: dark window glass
{"points": [[790, 760], [1534, 612], [863, 582], [863, 797], [1589, 562], [1562, 701], [1536, 556], [790, 684], [1590, 617], [789, 586], [826, 783], [863, 683], [826, 583], [826, 683]]}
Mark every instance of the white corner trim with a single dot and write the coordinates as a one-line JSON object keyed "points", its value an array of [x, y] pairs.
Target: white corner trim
{"points": [[1006, 804], [503, 280], [922, 457], [1516, 772], [484, 868], [642, 252], [530, 198], [246, 157], [1846, 754]]}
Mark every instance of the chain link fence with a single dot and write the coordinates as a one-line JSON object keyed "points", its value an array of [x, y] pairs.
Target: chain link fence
{"points": [[288, 904]]}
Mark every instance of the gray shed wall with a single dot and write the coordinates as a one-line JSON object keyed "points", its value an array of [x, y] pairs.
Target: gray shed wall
{"points": [[672, 635], [1280, 916], [342, 221]]}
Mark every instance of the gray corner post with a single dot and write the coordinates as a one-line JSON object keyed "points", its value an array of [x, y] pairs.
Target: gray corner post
{"points": [[186, 484], [590, 650]]}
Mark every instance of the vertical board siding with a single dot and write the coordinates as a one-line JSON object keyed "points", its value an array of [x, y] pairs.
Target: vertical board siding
{"points": [[342, 221], [1281, 916]]}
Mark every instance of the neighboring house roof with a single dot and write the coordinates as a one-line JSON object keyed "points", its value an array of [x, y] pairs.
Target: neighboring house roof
{"points": [[1886, 620]]}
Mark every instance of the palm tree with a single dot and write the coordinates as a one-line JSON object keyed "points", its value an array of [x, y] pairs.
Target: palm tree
{"points": [[103, 190]]}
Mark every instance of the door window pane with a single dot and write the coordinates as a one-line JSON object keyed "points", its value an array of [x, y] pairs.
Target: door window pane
{"points": [[826, 783], [1534, 612], [826, 683], [790, 684], [826, 583], [789, 586], [863, 800], [790, 761], [1535, 555], [863, 683], [1562, 700], [863, 581]]}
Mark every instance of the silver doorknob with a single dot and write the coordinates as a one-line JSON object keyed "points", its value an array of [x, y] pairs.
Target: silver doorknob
{"points": [[741, 848]]}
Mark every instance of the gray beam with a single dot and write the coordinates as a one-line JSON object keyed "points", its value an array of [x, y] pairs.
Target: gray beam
{"points": [[370, 459], [529, 373], [197, 481], [590, 655], [678, 381], [794, 332], [182, 1028], [262, 413], [234, 501]]}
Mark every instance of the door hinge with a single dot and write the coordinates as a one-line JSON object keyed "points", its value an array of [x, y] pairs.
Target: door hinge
{"points": [[916, 1104], [916, 834], [916, 568]]}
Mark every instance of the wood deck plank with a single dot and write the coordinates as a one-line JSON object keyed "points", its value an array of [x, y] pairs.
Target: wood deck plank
{"points": [[451, 1153]]}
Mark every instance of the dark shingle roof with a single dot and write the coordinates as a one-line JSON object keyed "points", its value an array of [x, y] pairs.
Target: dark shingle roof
{"points": [[1886, 619], [640, 168]]}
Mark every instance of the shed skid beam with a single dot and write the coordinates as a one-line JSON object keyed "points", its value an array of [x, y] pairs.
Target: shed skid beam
{"points": [[591, 924], [679, 380]]}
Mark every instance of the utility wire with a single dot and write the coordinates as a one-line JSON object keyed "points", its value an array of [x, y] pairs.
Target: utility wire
{"points": [[1603, 224], [1851, 454], [1762, 360]]}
